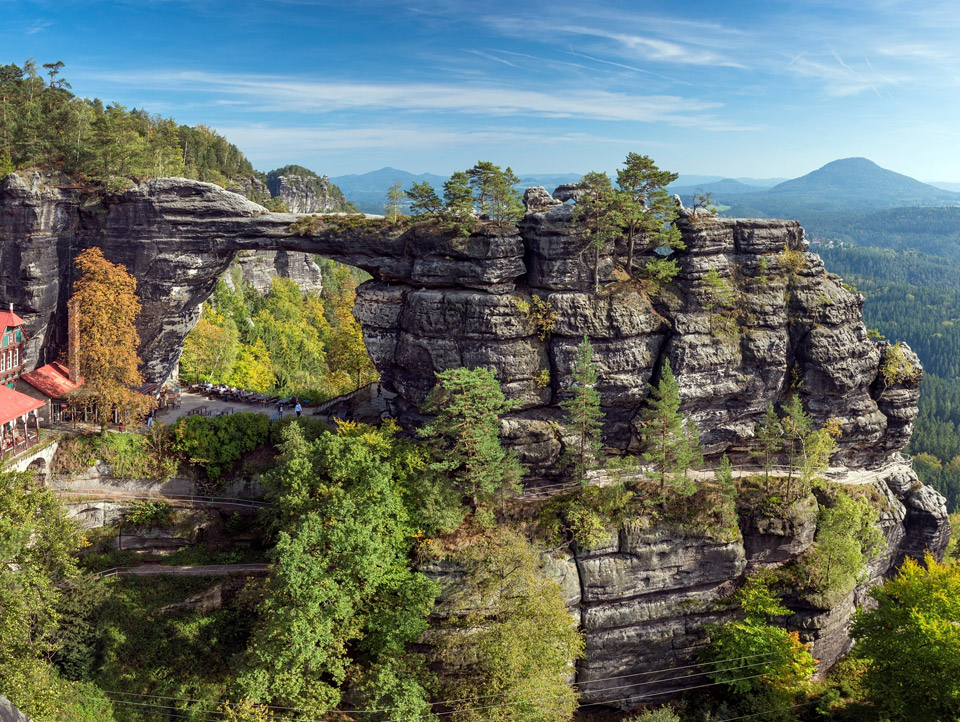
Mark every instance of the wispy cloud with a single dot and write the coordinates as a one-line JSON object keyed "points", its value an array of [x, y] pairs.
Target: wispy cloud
{"points": [[284, 94]]}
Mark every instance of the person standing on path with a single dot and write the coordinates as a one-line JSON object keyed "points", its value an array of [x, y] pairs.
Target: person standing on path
{"points": [[280, 410], [298, 408]]}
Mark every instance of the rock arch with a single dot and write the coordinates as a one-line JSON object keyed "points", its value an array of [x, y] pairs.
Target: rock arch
{"points": [[440, 300]]}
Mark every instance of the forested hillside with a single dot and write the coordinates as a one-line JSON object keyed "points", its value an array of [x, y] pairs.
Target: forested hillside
{"points": [[916, 298], [44, 125]]}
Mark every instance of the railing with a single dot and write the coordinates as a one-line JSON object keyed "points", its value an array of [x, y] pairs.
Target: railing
{"points": [[13, 448], [192, 499], [199, 570]]}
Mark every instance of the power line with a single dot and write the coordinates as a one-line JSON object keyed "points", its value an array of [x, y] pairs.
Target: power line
{"points": [[504, 694]]}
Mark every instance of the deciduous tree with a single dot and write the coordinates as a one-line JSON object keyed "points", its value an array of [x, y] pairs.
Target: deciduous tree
{"points": [[107, 305]]}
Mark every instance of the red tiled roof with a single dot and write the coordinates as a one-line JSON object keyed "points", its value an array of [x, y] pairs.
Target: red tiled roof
{"points": [[13, 404], [9, 319], [52, 380]]}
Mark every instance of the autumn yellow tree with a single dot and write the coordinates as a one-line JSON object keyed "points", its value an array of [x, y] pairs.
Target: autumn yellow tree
{"points": [[107, 307]]}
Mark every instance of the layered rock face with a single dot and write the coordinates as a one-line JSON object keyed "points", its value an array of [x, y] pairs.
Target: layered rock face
{"points": [[647, 595], [303, 194], [260, 268], [750, 314]]}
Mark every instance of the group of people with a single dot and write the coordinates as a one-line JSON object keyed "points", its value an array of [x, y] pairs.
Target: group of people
{"points": [[297, 408]]}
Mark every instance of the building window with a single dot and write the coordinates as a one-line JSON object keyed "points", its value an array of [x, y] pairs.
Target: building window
{"points": [[19, 335], [16, 357], [6, 339], [3, 362]]}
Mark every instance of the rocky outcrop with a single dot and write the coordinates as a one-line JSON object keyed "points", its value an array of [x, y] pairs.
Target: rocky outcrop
{"points": [[303, 191], [648, 595], [259, 268], [750, 314]]}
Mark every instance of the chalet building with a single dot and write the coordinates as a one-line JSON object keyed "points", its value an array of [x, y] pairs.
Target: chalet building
{"points": [[19, 422], [11, 347], [50, 385]]}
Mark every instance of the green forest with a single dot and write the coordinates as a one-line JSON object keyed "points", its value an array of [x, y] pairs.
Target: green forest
{"points": [[287, 341], [914, 297], [43, 125]]}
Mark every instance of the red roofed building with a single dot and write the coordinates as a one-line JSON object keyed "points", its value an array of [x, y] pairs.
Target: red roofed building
{"points": [[19, 424], [50, 385], [12, 340]]}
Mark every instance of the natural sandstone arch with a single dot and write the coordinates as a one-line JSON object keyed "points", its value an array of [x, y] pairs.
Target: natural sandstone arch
{"points": [[440, 300]]}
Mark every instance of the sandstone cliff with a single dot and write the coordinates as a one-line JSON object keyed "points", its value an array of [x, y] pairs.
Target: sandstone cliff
{"points": [[303, 191], [439, 300]]}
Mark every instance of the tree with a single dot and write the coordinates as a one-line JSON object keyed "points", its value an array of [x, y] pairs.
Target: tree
{"points": [[778, 660], [482, 178], [911, 642], [769, 440], [796, 424], [210, 349], [341, 602], [505, 205], [424, 202], [394, 201], [458, 196], [348, 352], [107, 306], [600, 213], [506, 635], [37, 547], [647, 208], [465, 434], [584, 419], [847, 533], [669, 438]]}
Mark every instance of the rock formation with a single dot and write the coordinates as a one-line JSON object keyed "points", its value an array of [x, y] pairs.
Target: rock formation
{"points": [[259, 268], [751, 314], [303, 191], [440, 300]]}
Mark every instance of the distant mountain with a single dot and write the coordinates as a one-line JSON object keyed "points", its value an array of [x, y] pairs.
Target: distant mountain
{"points": [[946, 186], [727, 185], [842, 186], [685, 181]]}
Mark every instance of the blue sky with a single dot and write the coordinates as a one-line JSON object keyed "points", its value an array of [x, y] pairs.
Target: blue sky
{"points": [[760, 89]]}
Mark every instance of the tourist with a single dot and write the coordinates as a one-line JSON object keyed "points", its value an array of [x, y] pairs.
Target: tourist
{"points": [[298, 408], [280, 410]]}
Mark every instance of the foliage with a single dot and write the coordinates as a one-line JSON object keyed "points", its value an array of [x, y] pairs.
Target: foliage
{"points": [[722, 293], [659, 273], [583, 419], [594, 512], [210, 349], [647, 210], [340, 596], [539, 312], [661, 714], [465, 435], [847, 533], [182, 655], [768, 433], [458, 196], [216, 444], [911, 642], [424, 201], [668, 437], [792, 261], [37, 544], [777, 658], [44, 125], [506, 634], [246, 710], [896, 368], [494, 193], [107, 306], [599, 212], [149, 514]]}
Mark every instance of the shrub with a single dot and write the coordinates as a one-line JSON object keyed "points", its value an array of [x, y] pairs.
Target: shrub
{"points": [[217, 444], [153, 514]]}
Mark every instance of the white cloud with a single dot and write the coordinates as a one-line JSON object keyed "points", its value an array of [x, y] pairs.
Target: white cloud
{"points": [[283, 94]]}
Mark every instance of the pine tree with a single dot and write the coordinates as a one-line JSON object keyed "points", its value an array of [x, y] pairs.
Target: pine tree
{"points": [[769, 435], [505, 201], [458, 197], [599, 212], [424, 202], [670, 439], [465, 434], [648, 210], [584, 419]]}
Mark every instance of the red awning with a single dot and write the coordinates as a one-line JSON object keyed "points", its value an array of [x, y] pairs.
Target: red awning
{"points": [[13, 404]]}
